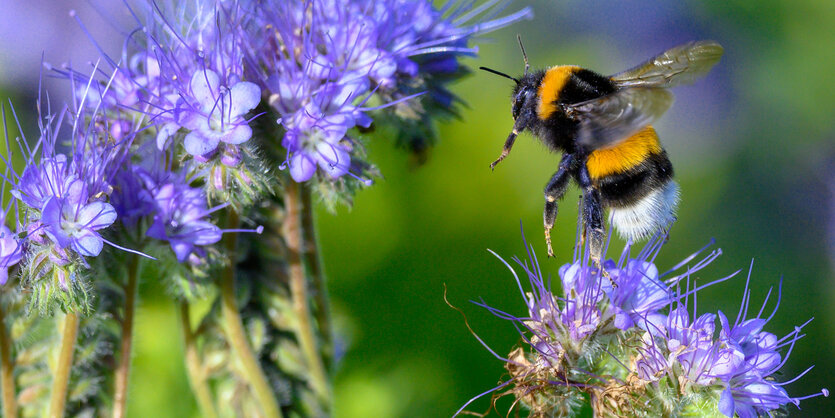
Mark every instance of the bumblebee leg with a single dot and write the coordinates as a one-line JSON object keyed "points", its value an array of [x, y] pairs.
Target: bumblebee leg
{"points": [[508, 144], [593, 221], [554, 191]]}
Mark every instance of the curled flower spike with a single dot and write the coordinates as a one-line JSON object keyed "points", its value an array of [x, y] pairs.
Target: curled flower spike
{"points": [[63, 192]]}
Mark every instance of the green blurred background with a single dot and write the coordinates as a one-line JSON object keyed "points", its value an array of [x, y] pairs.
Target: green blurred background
{"points": [[753, 145]]}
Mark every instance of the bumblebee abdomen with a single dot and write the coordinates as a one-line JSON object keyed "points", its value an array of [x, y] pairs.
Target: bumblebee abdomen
{"points": [[625, 155], [635, 181], [627, 172], [647, 215]]}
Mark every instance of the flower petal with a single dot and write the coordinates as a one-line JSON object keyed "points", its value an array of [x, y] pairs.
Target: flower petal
{"points": [[726, 402], [301, 167], [244, 96], [89, 244], [333, 159], [237, 135], [205, 88], [96, 215], [181, 249], [198, 143], [164, 133]]}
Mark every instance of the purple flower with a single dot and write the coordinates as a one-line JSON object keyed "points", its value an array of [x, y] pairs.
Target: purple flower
{"points": [[217, 114], [751, 389], [638, 296], [641, 340], [11, 252], [74, 224], [180, 219], [50, 178], [131, 197], [319, 79]]}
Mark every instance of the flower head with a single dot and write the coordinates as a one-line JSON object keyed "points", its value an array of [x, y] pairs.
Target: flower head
{"points": [[181, 219], [217, 114], [641, 340], [319, 79], [63, 192]]}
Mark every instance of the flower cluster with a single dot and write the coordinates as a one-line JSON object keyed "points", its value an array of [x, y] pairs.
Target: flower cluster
{"points": [[320, 66], [157, 144], [320, 79], [63, 196], [624, 336]]}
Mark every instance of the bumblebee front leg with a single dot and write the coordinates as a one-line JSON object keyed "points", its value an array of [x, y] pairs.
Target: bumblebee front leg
{"points": [[554, 191], [508, 144]]}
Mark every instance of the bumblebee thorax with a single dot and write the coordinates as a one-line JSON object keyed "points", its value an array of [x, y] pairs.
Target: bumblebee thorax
{"points": [[549, 89]]}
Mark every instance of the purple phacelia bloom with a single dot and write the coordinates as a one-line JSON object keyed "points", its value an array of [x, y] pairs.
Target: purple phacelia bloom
{"points": [[639, 294], [181, 71], [319, 137], [50, 178], [131, 197], [638, 337], [11, 251], [320, 61], [73, 224], [181, 219], [217, 114], [751, 389], [65, 192], [739, 364]]}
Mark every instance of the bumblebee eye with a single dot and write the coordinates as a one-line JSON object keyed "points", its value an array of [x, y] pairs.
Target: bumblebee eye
{"points": [[518, 101]]}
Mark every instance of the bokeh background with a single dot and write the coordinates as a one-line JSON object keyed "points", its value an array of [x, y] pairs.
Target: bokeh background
{"points": [[753, 145]]}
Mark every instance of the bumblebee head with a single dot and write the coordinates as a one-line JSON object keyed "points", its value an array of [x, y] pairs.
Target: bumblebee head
{"points": [[524, 94]]}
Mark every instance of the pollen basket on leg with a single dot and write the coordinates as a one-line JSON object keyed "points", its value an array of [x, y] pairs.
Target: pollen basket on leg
{"points": [[549, 90], [625, 155]]}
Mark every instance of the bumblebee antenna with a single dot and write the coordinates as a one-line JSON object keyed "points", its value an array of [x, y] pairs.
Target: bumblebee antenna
{"points": [[524, 55], [490, 70]]}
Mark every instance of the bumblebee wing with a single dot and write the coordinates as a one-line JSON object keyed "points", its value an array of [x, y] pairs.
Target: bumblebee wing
{"points": [[607, 120], [680, 65]]}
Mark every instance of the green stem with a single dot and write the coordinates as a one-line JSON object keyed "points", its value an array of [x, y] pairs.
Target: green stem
{"points": [[7, 369], [120, 397], [236, 334], [61, 381], [196, 371], [298, 288], [311, 258]]}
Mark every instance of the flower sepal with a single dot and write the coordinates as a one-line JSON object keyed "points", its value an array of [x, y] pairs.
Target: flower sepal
{"points": [[56, 279]]}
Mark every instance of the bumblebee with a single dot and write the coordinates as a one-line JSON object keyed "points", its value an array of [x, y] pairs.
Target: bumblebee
{"points": [[602, 126]]}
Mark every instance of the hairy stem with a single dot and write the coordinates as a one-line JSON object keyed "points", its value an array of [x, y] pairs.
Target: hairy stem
{"points": [[120, 397], [298, 288], [311, 258], [196, 371], [7, 370], [235, 333], [61, 380]]}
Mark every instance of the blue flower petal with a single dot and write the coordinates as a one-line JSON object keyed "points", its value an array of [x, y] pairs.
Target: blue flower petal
{"points": [[197, 143], [88, 245], [96, 215], [726, 402], [244, 97]]}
